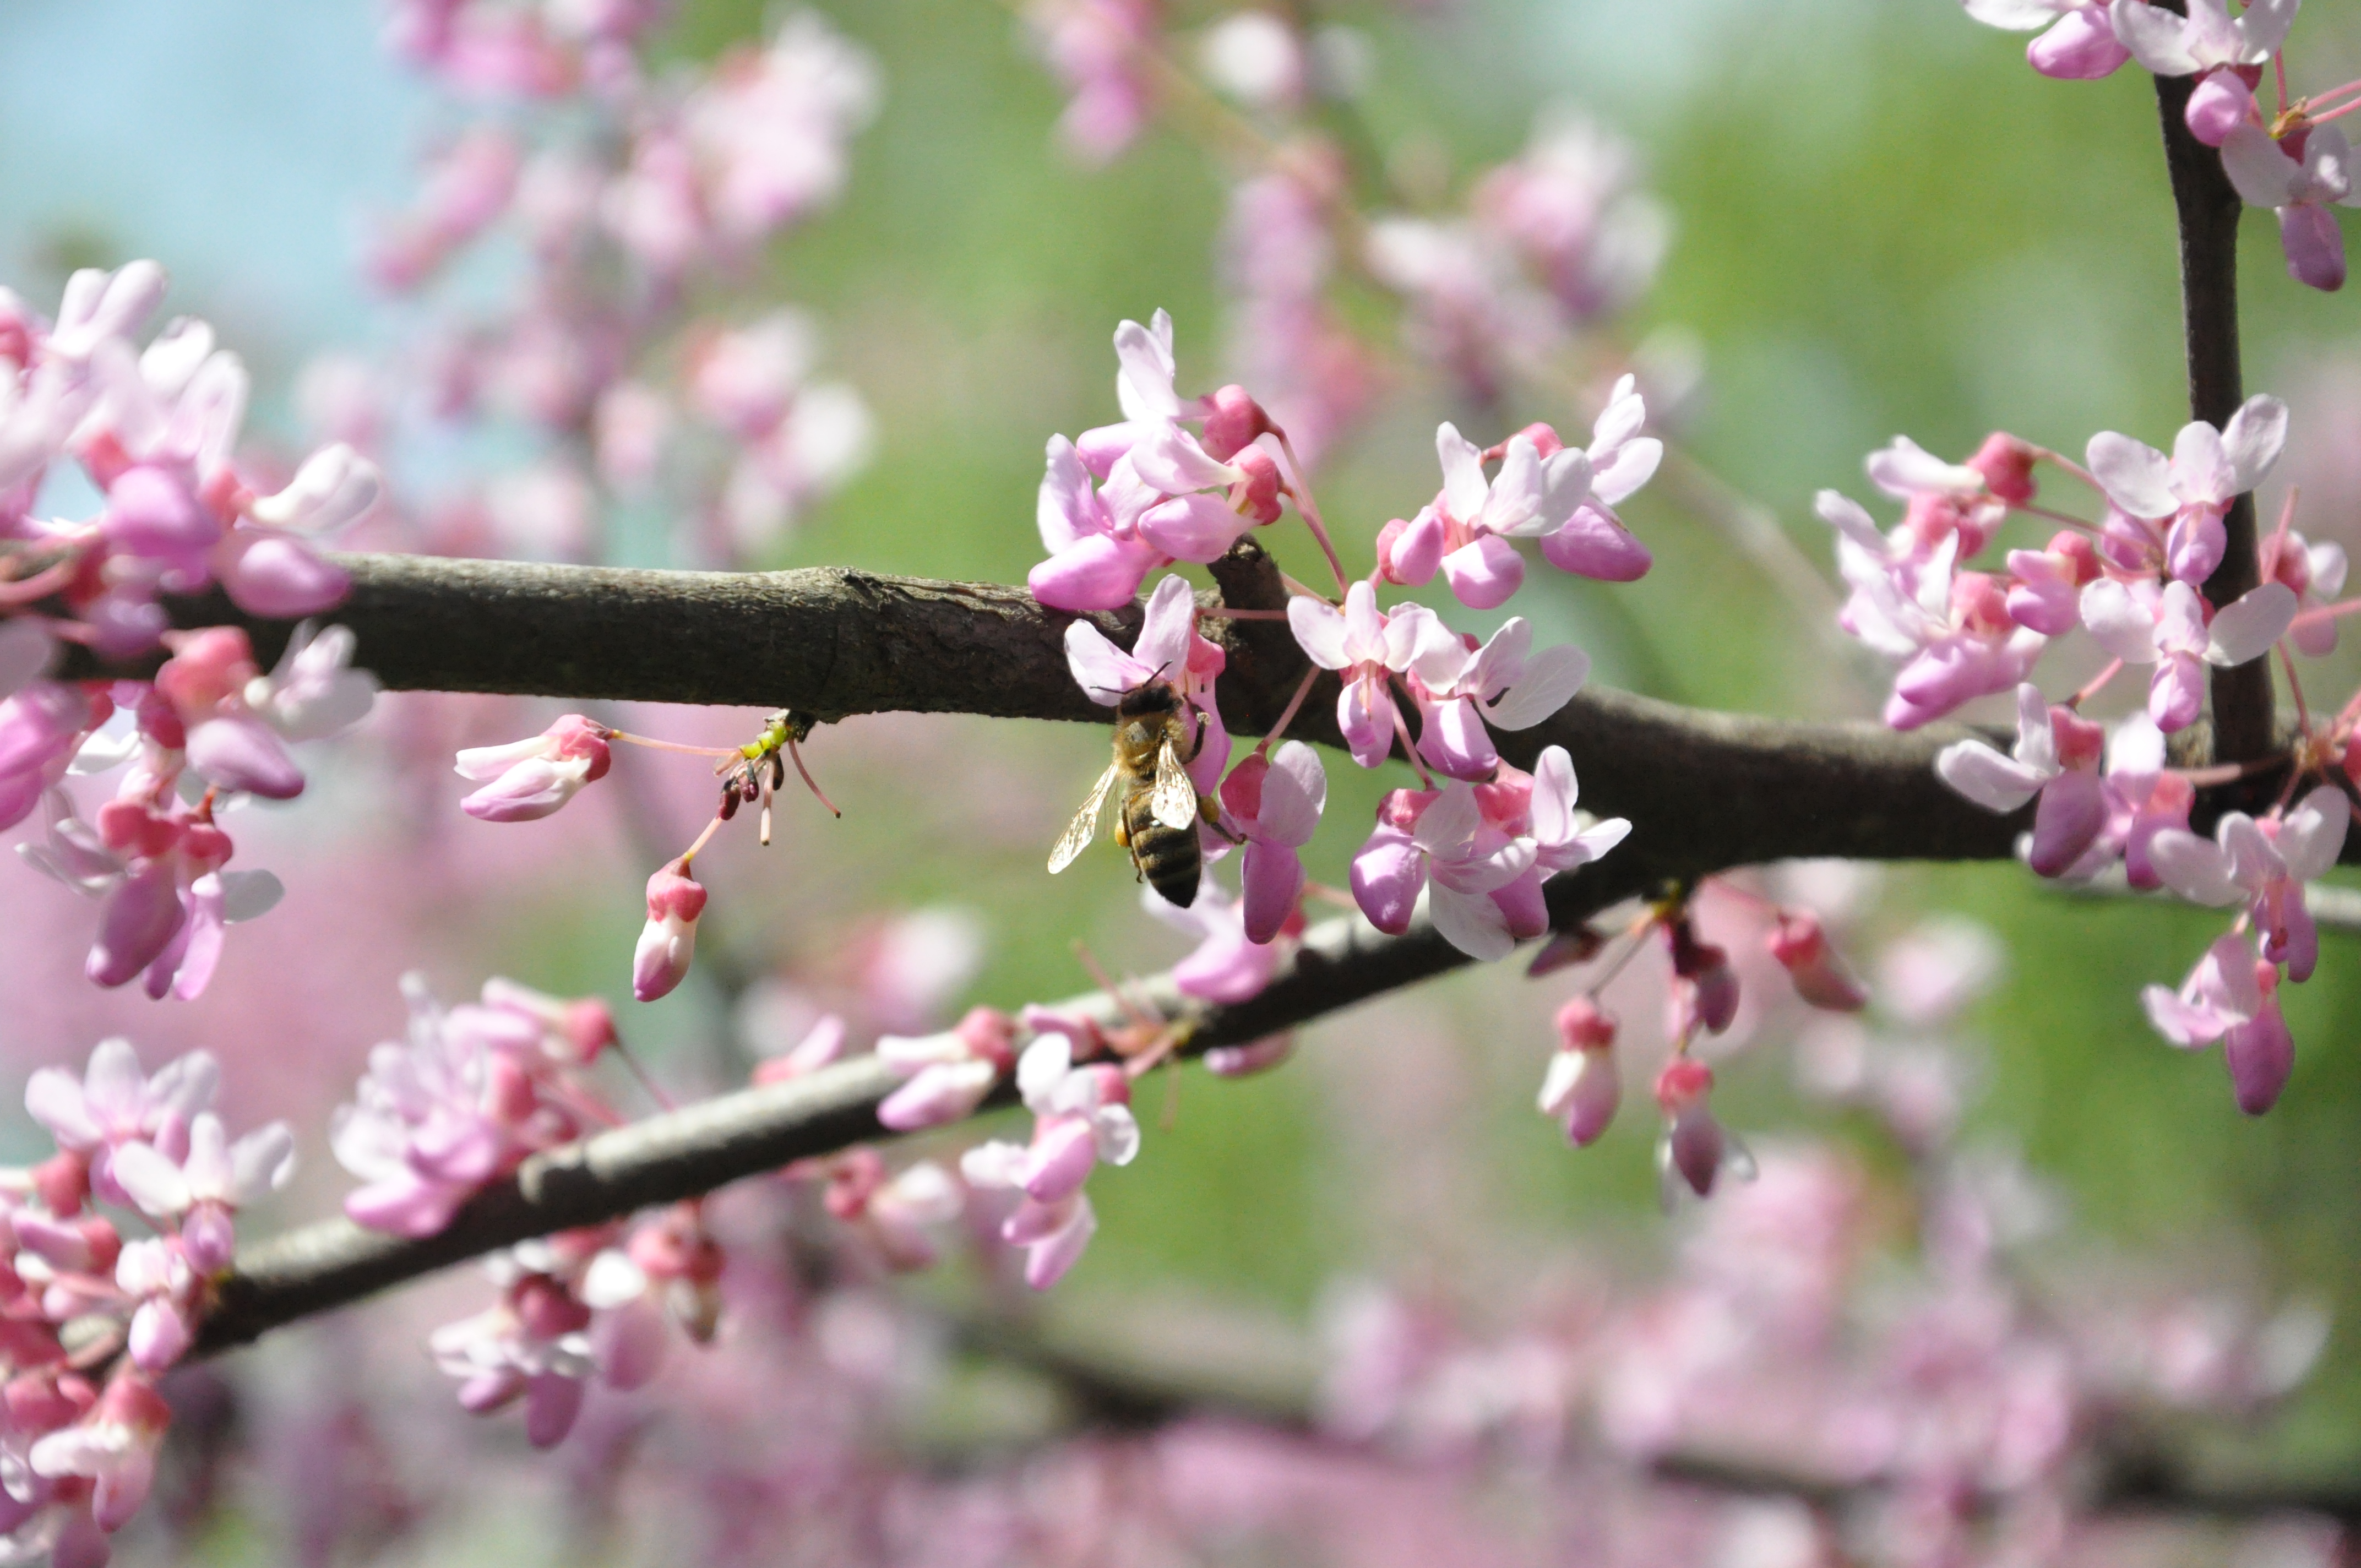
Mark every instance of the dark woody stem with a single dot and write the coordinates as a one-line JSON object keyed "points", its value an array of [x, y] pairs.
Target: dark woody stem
{"points": [[2244, 708]]}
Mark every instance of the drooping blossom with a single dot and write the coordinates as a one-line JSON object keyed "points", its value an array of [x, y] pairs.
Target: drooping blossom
{"points": [[116, 1102], [2230, 996], [1092, 45], [1503, 684], [2187, 494], [2301, 177], [530, 778], [896, 1214], [1367, 647], [1704, 993], [202, 1190], [668, 941], [1583, 1086], [1695, 1149], [1539, 806], [2264, 865], [2078, 45], [1081, 1117], [2168, 628], [1800, 944], [1571, 207], [2057, 757], [1275, 802], [1436, 843]]}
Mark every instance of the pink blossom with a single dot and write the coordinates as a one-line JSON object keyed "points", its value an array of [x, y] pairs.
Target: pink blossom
{"points": [[2316, 575], [1254, 1057], [2207, 471], [2080, 45], [2056, 756], [117, 1103], [1583, 1086], [1571, 207], [1460, 690], [1943, 498], [203, 1190], [1539, 806], [531, 778], [1081, 1115], [946, 1076], [444, 1112], [1437, 843], [2141, 625], [1695, 1149], [1275, 802], [115, 1447], [1952, 630], [41, 726], [2223, 52], [2264, 865], [1800, 944], [1052, 1235], [2045, 586], [2302, 176], [2144, 798], [533, 1345], [669, 939], [898, 1215], [1097, 558], [1562, 497], [1367, 647], [1091, 44], [769, 131], [1227, 965], [2230, 996]]}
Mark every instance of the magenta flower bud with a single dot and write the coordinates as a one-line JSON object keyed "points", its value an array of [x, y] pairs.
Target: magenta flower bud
{"points": [[278, 577], [1821, 977], [2080, 46], [2315, 246], [1235, 419], [2006, 463], [1257, 495], [2221, 103], [2072, 813], [535, 776], [2260, 1053], [142, 916], [1595, 544], [1694, 1143], [149, 512], [239, 751], [669, 938], [1410, 554]]}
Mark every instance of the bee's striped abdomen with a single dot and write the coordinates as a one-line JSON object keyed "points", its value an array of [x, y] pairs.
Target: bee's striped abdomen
{"points": [[1170, 858]]}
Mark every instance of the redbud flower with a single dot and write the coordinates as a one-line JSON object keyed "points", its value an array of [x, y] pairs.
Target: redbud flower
{"points": [[1540, 807], [669, 939], [1254, 1057], [2207, 42], [1053, 1236], [947, 1075], [117, 1103], [115, 1447], [898, 1215], [2230, 996], [1582, 1088], [2316, 574], [2302, 176], [2056, 756], [1367, 647], [39, 726], [1275, 802], [1704, 988], [1437, 843], [1082, 1116], [1821, 976], [534, 777], [203, 1192], [1695, 1149], [2045, 586], [1503, 684], [2264, 865], [2080, 45], [2207, 471], [2143, 625], [1942, 498]]}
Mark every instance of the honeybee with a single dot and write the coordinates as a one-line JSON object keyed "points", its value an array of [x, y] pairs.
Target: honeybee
{"points": [[1157, 821]]}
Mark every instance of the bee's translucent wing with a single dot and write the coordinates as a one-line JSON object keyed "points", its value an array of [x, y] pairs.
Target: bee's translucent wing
{"points": [[1175, 801], [1085, 824]]}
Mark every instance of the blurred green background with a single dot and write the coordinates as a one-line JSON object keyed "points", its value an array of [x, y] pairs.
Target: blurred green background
{"points": [[1887, 223]]}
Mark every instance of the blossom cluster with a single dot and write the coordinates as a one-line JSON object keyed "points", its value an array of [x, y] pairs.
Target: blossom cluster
{"points": [[2133, 581], [2293, 158], [90, 1320], [630, 191], [155, 429]]}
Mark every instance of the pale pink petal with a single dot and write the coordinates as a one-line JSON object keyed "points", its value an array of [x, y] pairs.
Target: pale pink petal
{"points": [[1486, 573], [2260, 1055], [1097, 573], [2122, 624], [1548, 684], [1294, 793], [2264, 175], [1319, 630], [2314, 247], [1195, 527], [2135, 475], [2155, 37], [2246, 628], [2082, 47], [2313, 834], [1470, 922], [1102, 670], [1464, 489], [1993, 782], [2194, 868]]}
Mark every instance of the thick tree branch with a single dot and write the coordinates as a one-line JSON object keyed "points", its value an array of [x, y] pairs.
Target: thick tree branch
{"points": [[685, 1153], [2244, 713]]}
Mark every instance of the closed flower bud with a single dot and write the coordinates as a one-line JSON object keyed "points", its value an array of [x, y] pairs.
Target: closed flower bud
{"points": [[669, 939]]}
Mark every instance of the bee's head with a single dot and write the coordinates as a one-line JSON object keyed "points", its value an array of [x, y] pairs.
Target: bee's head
{"points": [[1152, 699]]}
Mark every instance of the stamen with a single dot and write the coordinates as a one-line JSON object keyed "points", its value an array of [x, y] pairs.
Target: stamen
{"points": [[1302, 690], [1308, 509], [809, 782]]}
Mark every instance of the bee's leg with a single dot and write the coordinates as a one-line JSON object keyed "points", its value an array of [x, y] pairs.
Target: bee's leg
{"points": [[1122, 831], [1209, 808]]}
